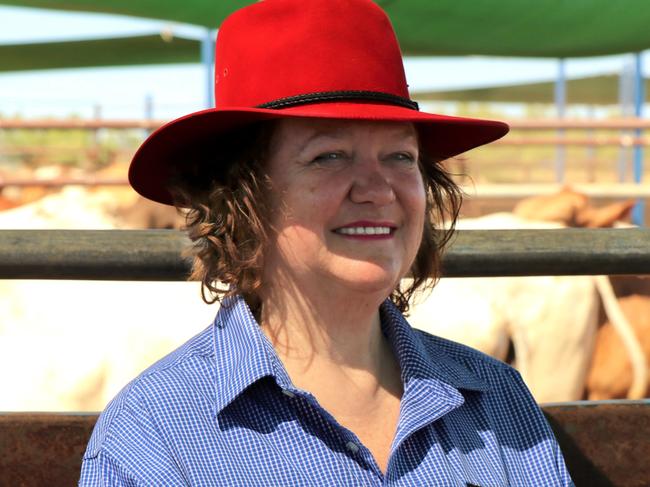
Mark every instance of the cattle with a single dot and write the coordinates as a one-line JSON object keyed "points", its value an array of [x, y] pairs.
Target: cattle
{"points": [[572, 209], [6, 203], [74, 207], [618, 347], [77, 207], [549, 320], [135, 212], [144, 213], [71, 345], [611, 372]]}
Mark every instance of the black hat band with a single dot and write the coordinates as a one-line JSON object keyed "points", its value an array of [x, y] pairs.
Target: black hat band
{"points": [[349, 95]]}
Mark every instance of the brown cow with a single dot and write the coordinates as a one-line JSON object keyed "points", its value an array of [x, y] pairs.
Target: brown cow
{"points": [[572, 209], [610, 373], [144, 213], [550, 320]]}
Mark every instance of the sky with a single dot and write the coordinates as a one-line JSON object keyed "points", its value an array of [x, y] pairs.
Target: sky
{"points": [[178, 89]]}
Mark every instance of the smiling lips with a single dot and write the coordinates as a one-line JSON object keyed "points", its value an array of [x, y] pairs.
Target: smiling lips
{"points": [[367, 230]]}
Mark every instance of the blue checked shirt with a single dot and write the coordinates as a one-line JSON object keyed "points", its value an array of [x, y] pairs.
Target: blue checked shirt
{"points": [[222, 410]]}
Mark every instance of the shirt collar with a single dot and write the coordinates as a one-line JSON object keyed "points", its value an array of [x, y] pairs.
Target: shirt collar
{"points": [[424, 361], [244, 355]]}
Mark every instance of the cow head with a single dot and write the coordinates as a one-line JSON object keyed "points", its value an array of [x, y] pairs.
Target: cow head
{"points": [[572, 209]]}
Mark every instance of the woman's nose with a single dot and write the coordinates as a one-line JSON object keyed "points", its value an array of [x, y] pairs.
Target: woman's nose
{"points": [[371, 185]]}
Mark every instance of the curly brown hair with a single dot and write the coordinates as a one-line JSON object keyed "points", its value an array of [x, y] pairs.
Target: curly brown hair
{"points": [[228, 216]]}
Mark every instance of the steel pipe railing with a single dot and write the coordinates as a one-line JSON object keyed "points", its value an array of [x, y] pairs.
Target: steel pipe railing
{"points": [[155, 255], [629, 123]]}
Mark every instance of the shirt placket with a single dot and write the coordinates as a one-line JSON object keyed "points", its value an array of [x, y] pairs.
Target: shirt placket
{"points": [[368, 473], [424, 402]]}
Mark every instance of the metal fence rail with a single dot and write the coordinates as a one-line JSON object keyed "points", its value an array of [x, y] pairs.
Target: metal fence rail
{"points": [[604, 444], [155, 255], [629, 123]]}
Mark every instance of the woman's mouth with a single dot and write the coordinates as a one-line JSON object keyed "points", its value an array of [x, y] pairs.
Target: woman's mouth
{"points": [[363, 230], [367, 230]]}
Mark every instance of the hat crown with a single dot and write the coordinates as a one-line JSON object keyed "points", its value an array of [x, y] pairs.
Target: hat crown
{"points": [[277, 49]]}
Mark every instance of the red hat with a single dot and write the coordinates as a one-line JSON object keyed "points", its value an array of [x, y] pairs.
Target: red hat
{"points": [[336, 59]]}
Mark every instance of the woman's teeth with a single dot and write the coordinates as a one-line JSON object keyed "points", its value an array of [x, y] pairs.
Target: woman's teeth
{"points": [[364, 230]]}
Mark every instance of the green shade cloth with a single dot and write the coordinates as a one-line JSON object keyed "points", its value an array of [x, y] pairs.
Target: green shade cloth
{"points": [[124, 51], [594, 90], [539, 28]]}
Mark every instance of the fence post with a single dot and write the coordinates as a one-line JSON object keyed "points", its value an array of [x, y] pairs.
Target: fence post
{"points": [[207, 59], [626, 100], [639, 95], [560, 103], [97, 115], [148, 111]]}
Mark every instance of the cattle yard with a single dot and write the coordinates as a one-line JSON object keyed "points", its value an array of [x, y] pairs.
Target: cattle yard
{"points": [[604, 442], [596, 157], [156, 255], [534, 151]]}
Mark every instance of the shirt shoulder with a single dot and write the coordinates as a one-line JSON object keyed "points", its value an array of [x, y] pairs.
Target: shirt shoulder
{"points": [[529, 448], [173, 383], [488, 368], [505, 382]]}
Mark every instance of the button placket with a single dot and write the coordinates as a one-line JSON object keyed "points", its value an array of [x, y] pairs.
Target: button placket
{"points": [[348, 439]]}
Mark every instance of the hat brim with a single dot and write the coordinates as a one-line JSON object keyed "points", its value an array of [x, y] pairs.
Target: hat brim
{"points": [[442, 136]]}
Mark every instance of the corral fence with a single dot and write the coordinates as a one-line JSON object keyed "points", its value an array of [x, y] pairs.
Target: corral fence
{"points": [[604, 443], [155, 255], [502, 178], [526, 125], [590, 134]]}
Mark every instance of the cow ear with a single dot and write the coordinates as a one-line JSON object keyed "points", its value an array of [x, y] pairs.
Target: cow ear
{"points": [[608, 215]]}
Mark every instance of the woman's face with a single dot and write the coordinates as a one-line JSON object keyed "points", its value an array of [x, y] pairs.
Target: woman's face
{"points": [[349, 203]]}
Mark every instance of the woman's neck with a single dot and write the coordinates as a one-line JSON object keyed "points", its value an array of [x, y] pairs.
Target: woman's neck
{"points": [[320, 332], [333, 347]]}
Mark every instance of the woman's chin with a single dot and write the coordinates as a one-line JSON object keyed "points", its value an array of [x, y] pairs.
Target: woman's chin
{"points": [[369, 278]]}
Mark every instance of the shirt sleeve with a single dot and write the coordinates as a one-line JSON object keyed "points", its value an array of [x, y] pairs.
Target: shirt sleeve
{"points": [[126, 447], [101, 470], [526, 417]]}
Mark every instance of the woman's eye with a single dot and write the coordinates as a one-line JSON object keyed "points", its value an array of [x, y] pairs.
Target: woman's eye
{"points": [[329, 156], [404, 156]]}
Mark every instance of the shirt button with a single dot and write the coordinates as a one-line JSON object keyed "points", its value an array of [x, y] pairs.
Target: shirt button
{"points": [[288, 393], [352, 446]]}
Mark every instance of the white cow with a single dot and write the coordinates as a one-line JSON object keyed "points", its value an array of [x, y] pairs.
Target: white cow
{"points": [[551, 320], [74, 207], [71, 345]]}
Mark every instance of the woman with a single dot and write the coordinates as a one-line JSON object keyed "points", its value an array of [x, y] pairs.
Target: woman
{"points": [[312, 189]]}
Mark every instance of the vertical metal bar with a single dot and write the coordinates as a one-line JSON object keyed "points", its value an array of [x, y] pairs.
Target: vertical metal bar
{"points": [[148, 106], [560, 103], [148, 109], [591, 150], [624, 96], [97, 135], [207, 59], [639, 95]]}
